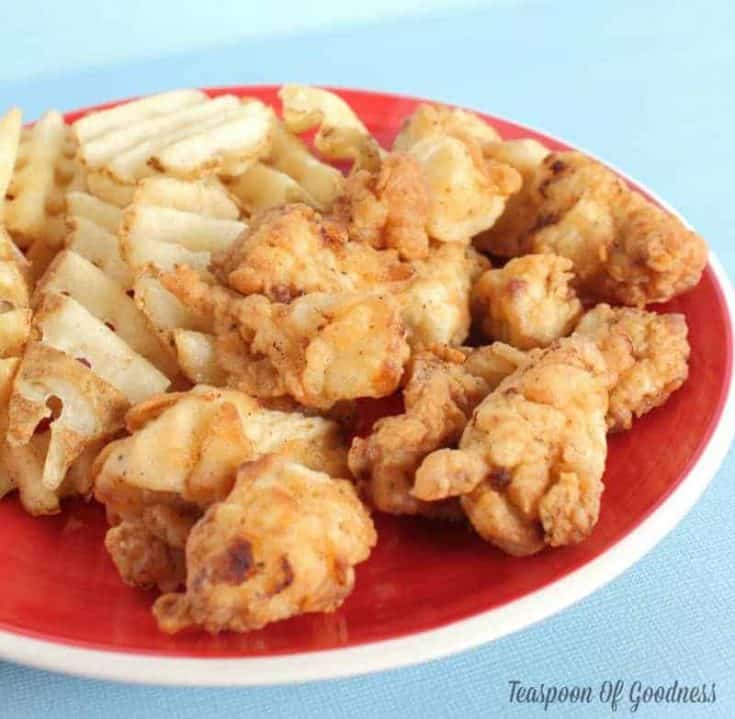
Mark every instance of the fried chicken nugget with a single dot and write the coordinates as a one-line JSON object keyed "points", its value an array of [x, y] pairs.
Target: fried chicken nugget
{"points": [[435, 303], [530, 462], [284, 542], [648, 353], [319, 349], [388, 209], [444, 386], [624, 248], [528, 303], [294, 250], [182, 456], [467, 190], [506, 236]]}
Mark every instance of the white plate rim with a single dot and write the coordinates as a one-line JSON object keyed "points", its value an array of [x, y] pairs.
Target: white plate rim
{"points": [[462, 635]]}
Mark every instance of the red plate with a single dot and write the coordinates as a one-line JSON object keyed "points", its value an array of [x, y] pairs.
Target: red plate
{"points": [[62, 600]]}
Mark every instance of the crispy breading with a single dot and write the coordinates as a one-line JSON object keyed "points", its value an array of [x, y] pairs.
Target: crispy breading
{"points": [[294, 250], [528, 303], [319, 349], [506, 236], [624, 248], [182, 455], [435, 304], [284, 542], [530, 462], [648, 353], [388, 209], [444, 386], [467, 190], [428, 120]]}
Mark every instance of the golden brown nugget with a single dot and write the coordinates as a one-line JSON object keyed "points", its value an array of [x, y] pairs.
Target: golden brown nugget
{"points": [[529, 466], [624, 248], [388, 209], [181, 456], [319, 349], [444, 386], [294, 250], [528, 303], [648, 353], [284, 542]]}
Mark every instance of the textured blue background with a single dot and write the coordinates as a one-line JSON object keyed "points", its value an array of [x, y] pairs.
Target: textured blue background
{"points": [[646, 85]]}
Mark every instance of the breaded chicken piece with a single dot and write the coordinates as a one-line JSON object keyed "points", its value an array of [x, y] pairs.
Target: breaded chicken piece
{"points": [[430, 120], [505, 237], [530, 462], [319, 349], [388, 209], [467, 190], [528, 303], [444, 386], [293, 250], [182, 455], [435, 304], [624, 248], [647, 352], [284, 542]]}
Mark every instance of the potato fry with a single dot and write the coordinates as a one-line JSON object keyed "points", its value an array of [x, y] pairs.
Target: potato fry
{"points": [[8, 368], [64, 324], [190, 230], [82, 407], [24, 466], [102, 296], [243, 138], [109, 190], [141, 254], [82, 204], [9, 140], [13, 286], [208, 198], [35, 204], [123, 151], [97, 123], [163, 310], [340, 135], [101, 248], [289, 154], [262, 187], [197, 359], [15, 328]]}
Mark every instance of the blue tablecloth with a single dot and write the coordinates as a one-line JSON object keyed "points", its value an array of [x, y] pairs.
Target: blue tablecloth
{"points": [[647, 86]]}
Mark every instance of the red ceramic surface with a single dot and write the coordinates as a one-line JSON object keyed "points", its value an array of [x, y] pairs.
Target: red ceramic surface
{"points": [[60, 585]]}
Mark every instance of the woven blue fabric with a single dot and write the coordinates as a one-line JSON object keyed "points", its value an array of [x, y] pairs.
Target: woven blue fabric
{"points": [[647, 86]]}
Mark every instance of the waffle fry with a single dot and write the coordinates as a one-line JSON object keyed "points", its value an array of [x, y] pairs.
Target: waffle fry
{"points": [[65, 325], [189, 138], [100, 247], [109, 190], [163, 310], [45, 168], [208, 198], [97, 123], [83, 408], [9, 140], [290, 155], [340, 134], [197, 357], [102, 296], [262, 187], [103, 214]]}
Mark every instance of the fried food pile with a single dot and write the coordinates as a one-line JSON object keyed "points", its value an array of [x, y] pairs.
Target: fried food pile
{"points": [[196, 300]]}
